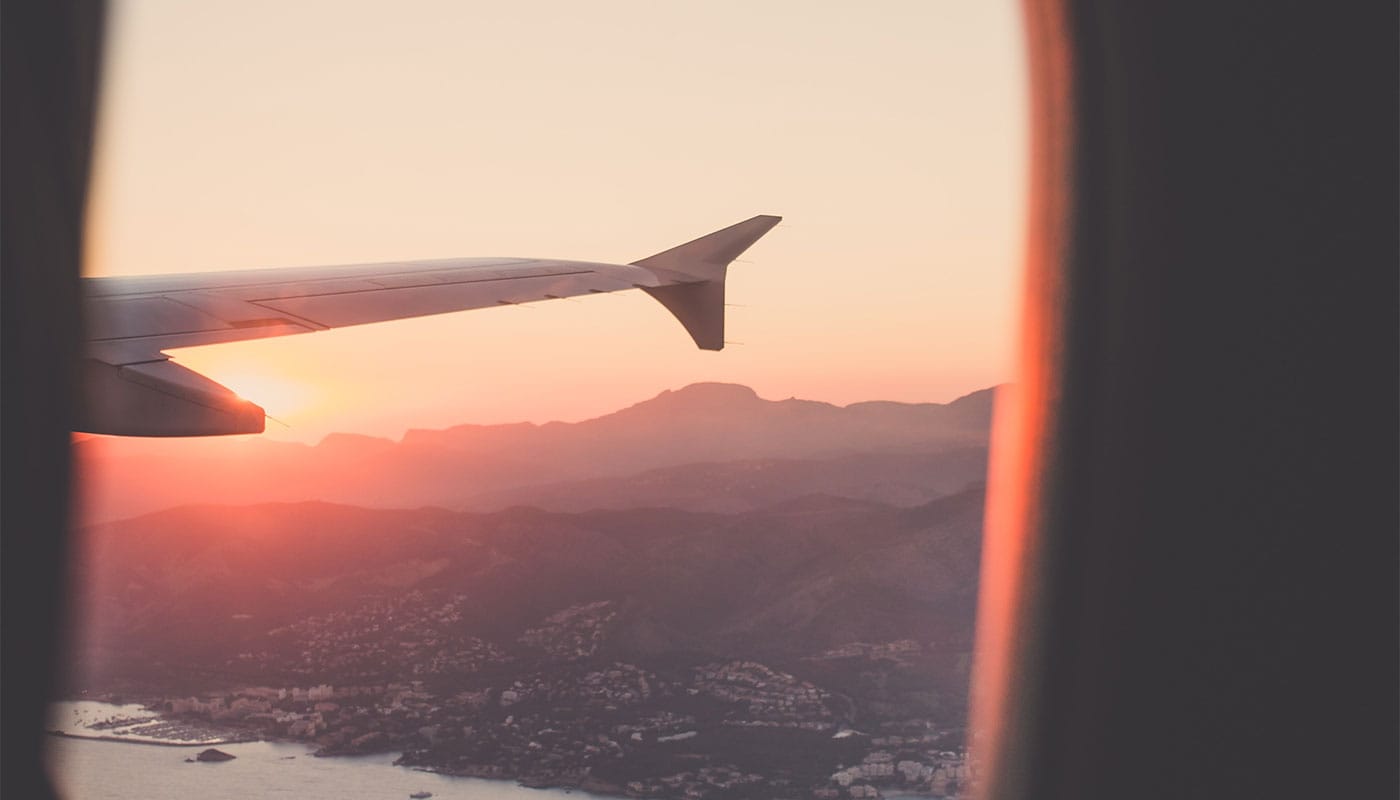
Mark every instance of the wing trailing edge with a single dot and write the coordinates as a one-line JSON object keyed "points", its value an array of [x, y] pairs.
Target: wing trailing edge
{"points": [[160, 398]]}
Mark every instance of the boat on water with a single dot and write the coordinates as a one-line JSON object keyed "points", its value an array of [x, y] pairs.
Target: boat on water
{"points": [[421, 795]]}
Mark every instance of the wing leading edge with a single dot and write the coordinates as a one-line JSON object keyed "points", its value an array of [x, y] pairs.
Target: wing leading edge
{"points": [[132, 388]]}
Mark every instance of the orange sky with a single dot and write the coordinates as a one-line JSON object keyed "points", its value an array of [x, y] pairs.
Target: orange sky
{"points": [[891, 136]]}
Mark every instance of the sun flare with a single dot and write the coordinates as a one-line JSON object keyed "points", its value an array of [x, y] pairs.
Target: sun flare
{"points": [[279, 396]]}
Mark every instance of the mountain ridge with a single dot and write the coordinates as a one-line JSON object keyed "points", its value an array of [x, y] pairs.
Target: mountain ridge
{"points": [[476, 466]]}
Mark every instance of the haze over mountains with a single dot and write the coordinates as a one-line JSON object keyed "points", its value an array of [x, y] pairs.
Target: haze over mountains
{"points": [[706, 447]]}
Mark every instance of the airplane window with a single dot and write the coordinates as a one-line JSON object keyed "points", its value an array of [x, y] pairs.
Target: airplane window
{"points": [[693, 508]]}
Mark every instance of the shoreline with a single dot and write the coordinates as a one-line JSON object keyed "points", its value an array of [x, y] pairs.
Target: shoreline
{"points": [[155, 742], [547, 781], [587, 786]]}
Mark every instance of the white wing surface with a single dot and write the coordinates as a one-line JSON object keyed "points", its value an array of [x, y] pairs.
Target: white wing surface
{"points": [[132, 388]]}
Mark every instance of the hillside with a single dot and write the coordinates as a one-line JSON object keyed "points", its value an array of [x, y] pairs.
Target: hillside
{"points": [[900, 479], [803, 649], [189, 590]]}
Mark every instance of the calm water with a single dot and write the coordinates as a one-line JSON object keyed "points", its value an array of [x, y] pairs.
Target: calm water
{"points": [[98, 770]]}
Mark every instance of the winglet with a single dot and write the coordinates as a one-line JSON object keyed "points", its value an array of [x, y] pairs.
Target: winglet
{"points": [[698, 268]]}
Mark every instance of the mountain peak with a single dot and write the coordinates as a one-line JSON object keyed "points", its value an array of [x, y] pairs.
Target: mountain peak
{"points": [[353, 442], [718, 396]]}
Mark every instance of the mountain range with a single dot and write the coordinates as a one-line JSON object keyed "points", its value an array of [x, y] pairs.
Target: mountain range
{"points": [[705, 447]]}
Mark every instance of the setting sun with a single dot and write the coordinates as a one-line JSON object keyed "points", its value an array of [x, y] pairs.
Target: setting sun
{"points": [[280, 397]]}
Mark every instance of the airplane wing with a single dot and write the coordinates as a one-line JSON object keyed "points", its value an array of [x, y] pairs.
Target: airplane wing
{"points": [[132, 388]]}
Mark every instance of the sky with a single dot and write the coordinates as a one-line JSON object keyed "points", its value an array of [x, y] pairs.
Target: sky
{"points": [[891, 136]]}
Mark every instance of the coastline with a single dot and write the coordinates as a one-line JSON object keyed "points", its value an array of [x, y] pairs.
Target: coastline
{"points": [[106, 737], [587, 785], [87, 769], [505, 772]]}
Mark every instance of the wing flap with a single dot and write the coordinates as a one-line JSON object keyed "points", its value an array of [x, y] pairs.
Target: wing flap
{"points": [[118, 352], [161, 398]]}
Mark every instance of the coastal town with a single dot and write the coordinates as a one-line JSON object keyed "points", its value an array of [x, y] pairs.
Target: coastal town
{"points": [[553, 707], [819, 650]]}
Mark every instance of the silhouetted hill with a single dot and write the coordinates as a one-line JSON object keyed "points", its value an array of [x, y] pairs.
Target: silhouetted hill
{"points": [[706, 446], [903, 479], [201, 590]]}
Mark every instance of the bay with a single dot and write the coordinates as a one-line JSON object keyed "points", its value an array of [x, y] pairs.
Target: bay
{"points": [[91, 769]]}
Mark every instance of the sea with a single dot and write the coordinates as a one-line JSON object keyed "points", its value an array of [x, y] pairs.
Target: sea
{"points": [[98, 769]]}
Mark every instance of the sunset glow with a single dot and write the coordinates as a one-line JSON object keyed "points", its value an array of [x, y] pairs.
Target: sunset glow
{"points": [[544, 537], [892, 143], [280, 397]]}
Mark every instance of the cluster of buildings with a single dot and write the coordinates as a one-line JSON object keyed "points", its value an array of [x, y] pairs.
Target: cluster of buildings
{"points": [[940, 773], [898, 651], [607, 689], [770, 696], [549, 708], [697, 784], [409, 635], [306, 713], [660, 726], [575, 632]]}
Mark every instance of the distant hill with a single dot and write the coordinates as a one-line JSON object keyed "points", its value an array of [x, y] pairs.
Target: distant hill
{"points": [[707, 446], [902, 479], [193, 588]]}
